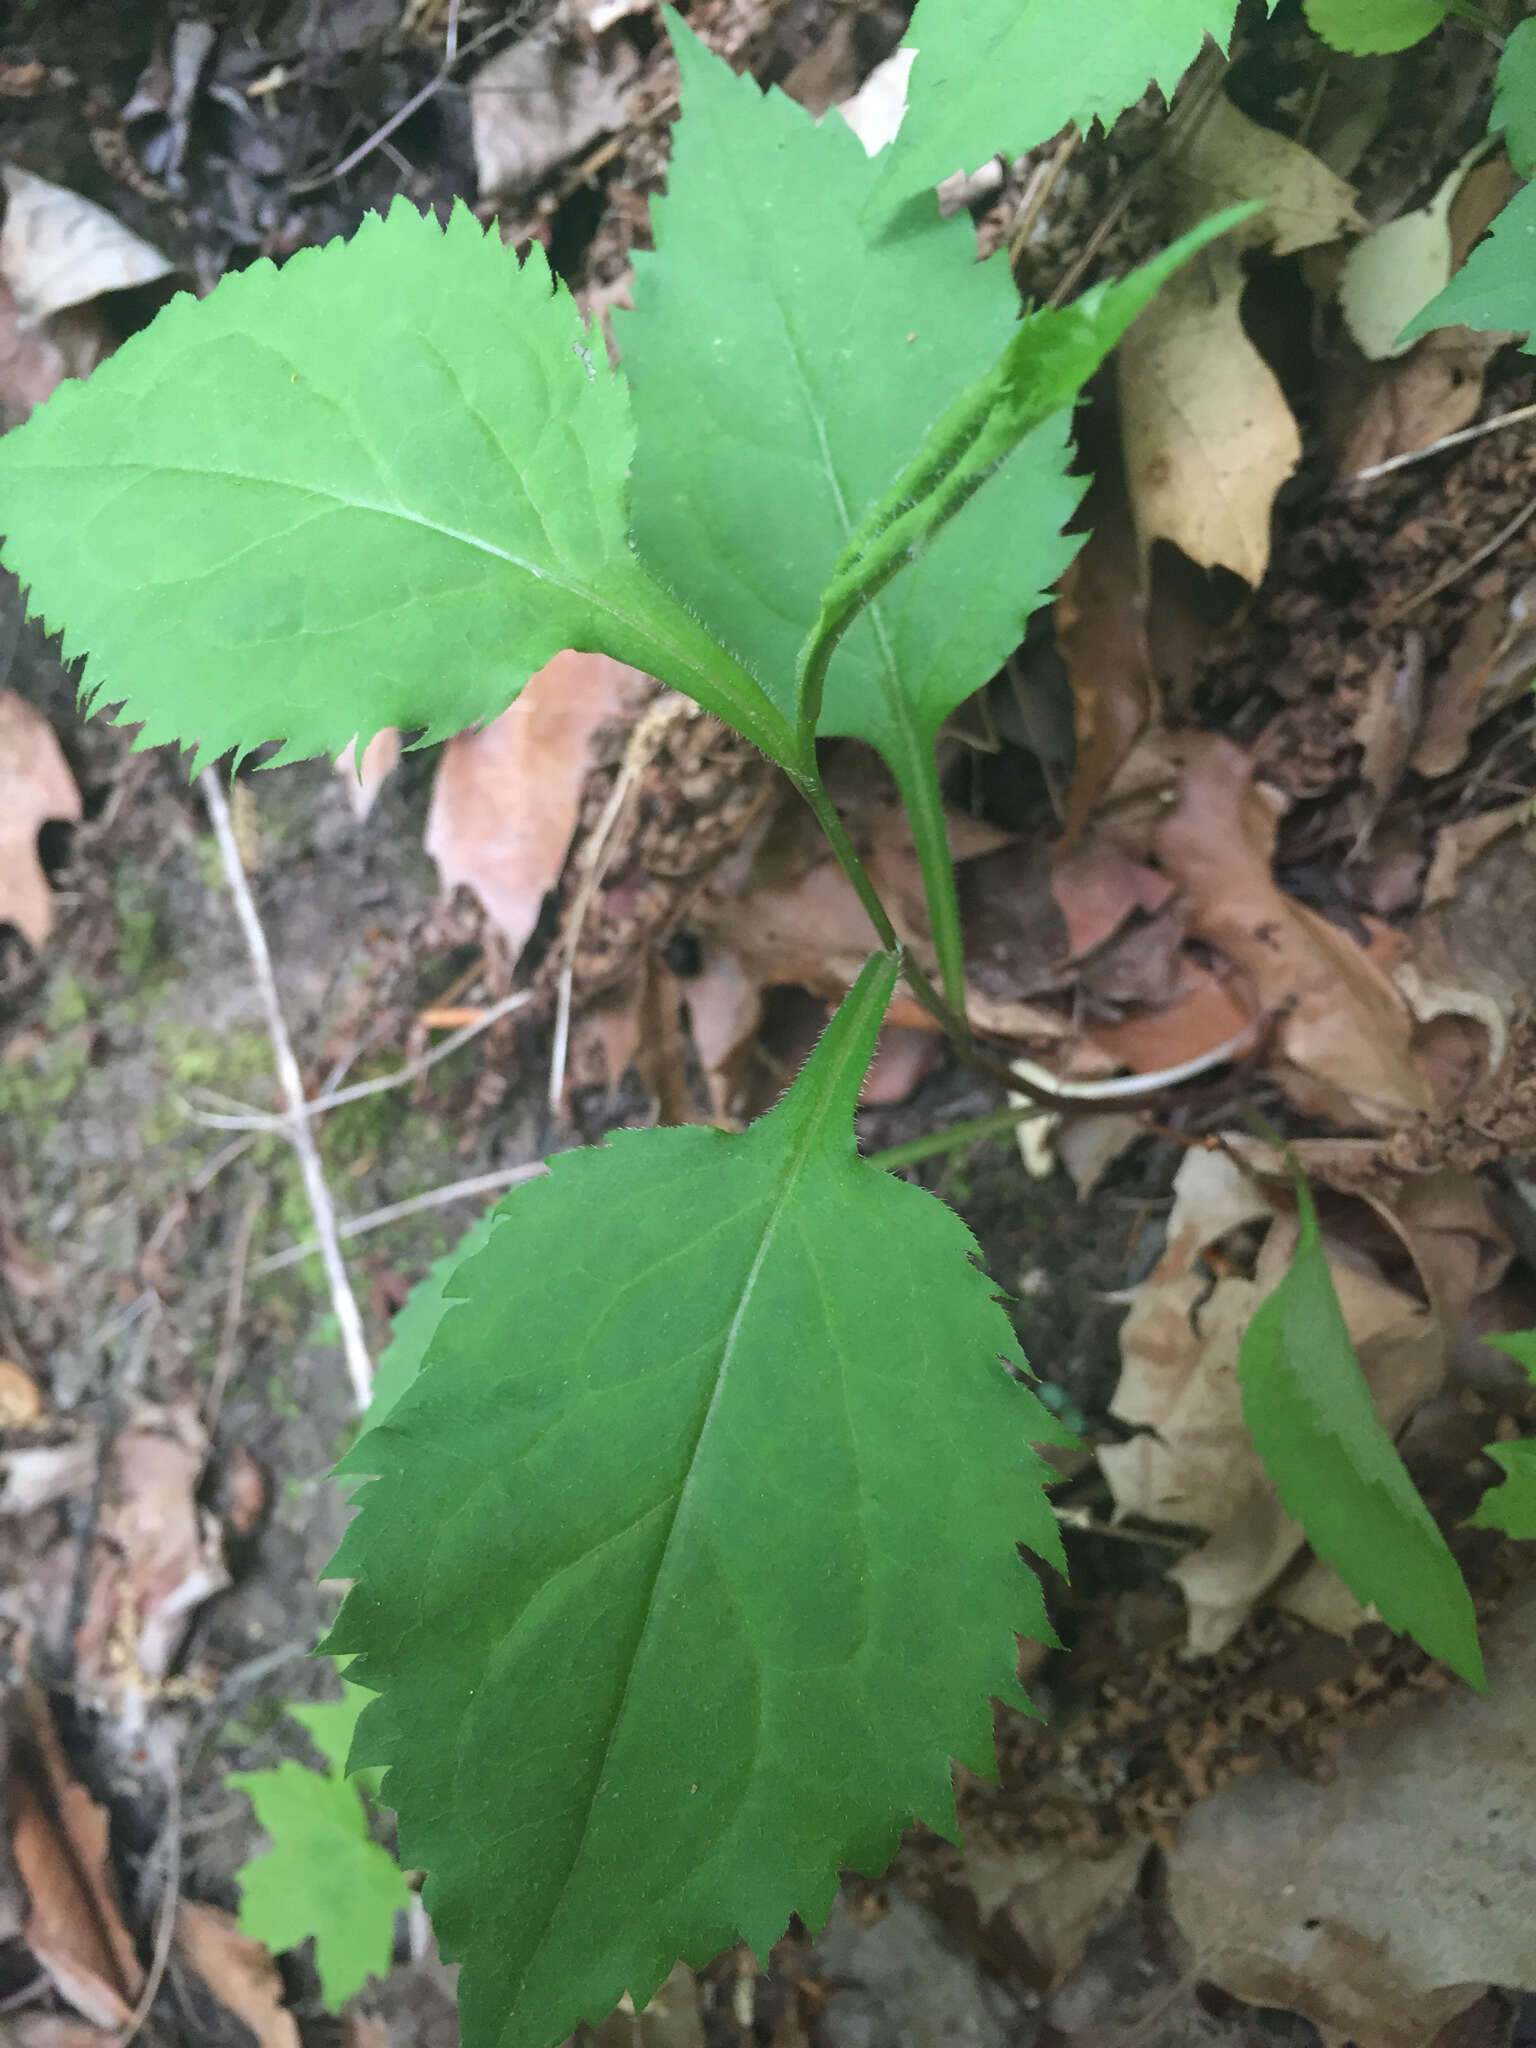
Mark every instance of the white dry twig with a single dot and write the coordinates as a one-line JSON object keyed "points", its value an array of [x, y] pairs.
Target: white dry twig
{"points": [[297, 1125], [396, 1212]]}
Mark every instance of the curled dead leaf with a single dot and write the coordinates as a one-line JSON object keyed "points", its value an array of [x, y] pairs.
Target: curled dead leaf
{"points": [[1344, 1032], [60, 1842], [504, 804], [35, 786], [1378, 1903], [238, 1971]]}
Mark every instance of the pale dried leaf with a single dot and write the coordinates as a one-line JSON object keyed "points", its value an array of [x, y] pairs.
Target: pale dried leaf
{"points": [[57, 249], [1393, 273], [1223, 158], [1345, 1035], [1434, 390], [21, 1402], [363, 783], [1101, 636], [160, 1558], [876, 111], [1387, 725], [1473, 952], [1491, 665], [542, 99], [238, 1971], [1195, 1464], [1208, 436], [1050, 1900], [31, 364], [1382, 1901], [60, 1841], [505, 801], [35, 786]]}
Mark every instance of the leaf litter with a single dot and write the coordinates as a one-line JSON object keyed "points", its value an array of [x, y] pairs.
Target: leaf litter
{"points": [[1128, 952]]}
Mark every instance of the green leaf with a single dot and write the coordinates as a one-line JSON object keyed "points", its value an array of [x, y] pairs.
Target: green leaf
{"points": [[331, 1725], [1514, 97], [1050, 357], [1496, 287], [381, 486], [1003, 75], [1314, 1424], [1373, 28], [413, 1328], [323, 1876], [1511, 1505], [690, 1561], [783, 370]]}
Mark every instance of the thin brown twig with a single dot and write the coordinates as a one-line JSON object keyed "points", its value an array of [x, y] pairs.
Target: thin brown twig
{"points": [[398, 118], [592, 865], [165, 1920], [1414, 455], [297, 1130]]}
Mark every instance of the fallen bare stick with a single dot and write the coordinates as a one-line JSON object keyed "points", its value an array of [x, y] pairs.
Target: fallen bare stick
{"points": [[296, 1126], [434, 1198]]}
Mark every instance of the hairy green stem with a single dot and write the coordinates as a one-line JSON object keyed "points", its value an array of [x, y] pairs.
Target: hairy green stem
{"points": [[996, 1124]]}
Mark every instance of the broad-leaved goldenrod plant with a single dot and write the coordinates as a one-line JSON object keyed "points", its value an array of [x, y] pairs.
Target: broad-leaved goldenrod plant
{"points": [[689, 1562]]}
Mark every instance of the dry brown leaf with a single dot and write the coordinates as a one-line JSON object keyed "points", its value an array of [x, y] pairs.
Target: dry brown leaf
{"points": [[238, 1971], [1101, 636], [60, 1841], [35, 786], [661, 1054], [673, 2019], [505, 801], [1472, 954], [158, 1559], [1434, 390], [1490, 666], [52, 2030], [1344, 1035], [1382, 1901], [1458, 845], [1387, 725], [542, 99], [58, 249], [1051, 1901], [380, 758], [31, 364], [1209, 438], [1179, 1349], [1222, 158], [21, 1403]]}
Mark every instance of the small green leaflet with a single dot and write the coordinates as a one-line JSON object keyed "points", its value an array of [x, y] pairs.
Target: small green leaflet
{"points": [[379, 487], [413, 1329], [1003, 75], [784, 369], [1315, 1426], [1496, 287], [1374, 28], [1050, 357], [688, 1561], [1511, 1505], [1514, 97], [323, 1875]]}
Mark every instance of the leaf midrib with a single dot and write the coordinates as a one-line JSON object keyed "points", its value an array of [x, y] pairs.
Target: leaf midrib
{"points": [[796, 1162]]}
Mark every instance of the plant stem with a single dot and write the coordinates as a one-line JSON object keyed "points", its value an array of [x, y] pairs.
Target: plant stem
{"points": [[996, 1124], [810, 785]]}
